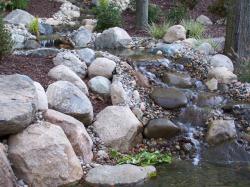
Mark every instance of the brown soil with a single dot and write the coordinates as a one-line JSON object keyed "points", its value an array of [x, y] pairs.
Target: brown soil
{"points": [[43, 8], [36, 68], [200, 8]]}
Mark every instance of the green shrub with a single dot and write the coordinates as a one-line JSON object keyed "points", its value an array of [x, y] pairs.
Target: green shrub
{"points": [[108, 15], [158, 31], [5, 4], [20, 4], [154, 13], [218, 8], [189, 3], [194, 29], [34, 27], [5, 40], [143, 158], [177, 13]]}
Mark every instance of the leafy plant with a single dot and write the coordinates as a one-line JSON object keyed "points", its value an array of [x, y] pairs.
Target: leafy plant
{"points": [[158, 31], [154, 13], [108, 15], [143, 158], [34, 27], [5, 4], [194, 29], [177, 13], [189, 3], [5, 40], [20, 4], [218, 8]]}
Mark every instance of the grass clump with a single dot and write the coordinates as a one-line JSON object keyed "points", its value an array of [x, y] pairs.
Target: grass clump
{"points": [[143, 158], [158, 31], [194, 29], [6, 43], [34, 27], [108, 15]]}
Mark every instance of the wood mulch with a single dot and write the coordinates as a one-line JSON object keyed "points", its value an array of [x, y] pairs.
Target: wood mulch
{"points": [[43, 8], [36, 68]]}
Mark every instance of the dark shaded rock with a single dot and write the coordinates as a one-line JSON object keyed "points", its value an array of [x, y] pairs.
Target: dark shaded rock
{"points": [[161, 128], [177, 79], [206, 99], [45, 29], [169, 98], [31, 44]]}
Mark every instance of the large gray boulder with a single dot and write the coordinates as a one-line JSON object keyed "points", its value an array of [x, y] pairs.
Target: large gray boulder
{"points": [[113, 38], [65, 97], [86, 55], [204, 20], [64, 73], [18, 101], [126, 174], [161, 128], [118, 127], [7, 177], [169, 98], [75, 132], [43, 156], [118, 94], [220, 60], [101, 67], [220, 131], [82, 37], [175, 33], [100, 85], [70, 60], [19, 17]]}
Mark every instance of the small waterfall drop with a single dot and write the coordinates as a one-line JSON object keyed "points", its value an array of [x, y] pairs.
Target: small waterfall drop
{"points": [[196, 144]]}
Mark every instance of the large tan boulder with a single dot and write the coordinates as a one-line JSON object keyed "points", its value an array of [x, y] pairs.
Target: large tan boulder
{"points": [[175, 33], [222, 74], [43, 156], [7, 177], [118, 127], [75, 131]]}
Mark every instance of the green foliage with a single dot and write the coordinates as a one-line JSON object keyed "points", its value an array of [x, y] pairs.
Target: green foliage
{"points": [[154, 13], [158, 31], [143, 158], [218, 8], [108, 15], [194, 29], [5, 40], [189, 3], [20, 4], [5, 4], [34, 27], [177, 13]]}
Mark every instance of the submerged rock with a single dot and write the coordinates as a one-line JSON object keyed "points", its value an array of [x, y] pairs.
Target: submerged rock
{"points": [[178, 79], [18, 101], [220, 131], [67, 98], [118, 127], [43, 156], [75, 132], [161, 128], [169, 98], [119, 175], [206, 99]]}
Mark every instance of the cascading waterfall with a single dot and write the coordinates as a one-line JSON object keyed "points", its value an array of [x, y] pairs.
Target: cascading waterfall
{"points": [[196, 143]]}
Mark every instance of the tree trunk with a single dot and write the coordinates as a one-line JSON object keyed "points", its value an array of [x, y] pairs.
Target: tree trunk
{"points": [[238, 29], [142, 14]]}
